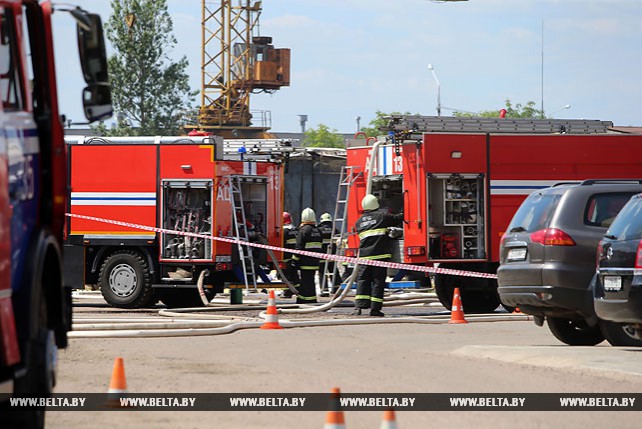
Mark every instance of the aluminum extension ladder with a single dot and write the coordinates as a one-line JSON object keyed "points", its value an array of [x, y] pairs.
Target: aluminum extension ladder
{"points": [[349, 175], [241, 233]]}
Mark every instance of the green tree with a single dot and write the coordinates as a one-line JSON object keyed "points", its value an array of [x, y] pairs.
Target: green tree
{"points": [[150, 92], [378, 122], [518, 111], [323, 136]]}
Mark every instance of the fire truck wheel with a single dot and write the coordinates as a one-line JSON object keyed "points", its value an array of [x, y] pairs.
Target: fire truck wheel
{"points": [[184, 298], [125, 280], [574, 332]]}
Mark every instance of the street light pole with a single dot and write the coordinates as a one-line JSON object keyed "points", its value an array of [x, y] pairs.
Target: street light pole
{"points": [[432, 69]]}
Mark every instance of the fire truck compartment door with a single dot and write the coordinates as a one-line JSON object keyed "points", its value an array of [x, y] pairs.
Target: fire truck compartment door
{"points": [[455, 153], [189, 161]]}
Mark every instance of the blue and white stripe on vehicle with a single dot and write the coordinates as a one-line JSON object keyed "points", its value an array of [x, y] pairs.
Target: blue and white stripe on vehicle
{"points": [[384, 161], [249, 168], [113, 198], [521, 187]]}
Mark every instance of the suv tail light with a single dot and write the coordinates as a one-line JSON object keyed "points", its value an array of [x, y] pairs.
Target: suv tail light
{"points": [[598, 255], [552, 237], [638, 256]]}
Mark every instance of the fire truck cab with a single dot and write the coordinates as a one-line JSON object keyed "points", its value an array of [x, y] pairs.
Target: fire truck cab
{"points": [[459, 181], [204, 185], [35, 304]]}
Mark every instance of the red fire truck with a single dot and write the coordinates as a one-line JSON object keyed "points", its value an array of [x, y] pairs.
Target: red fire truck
{"points": [[194, 184], [35, 305], [459, 181]]}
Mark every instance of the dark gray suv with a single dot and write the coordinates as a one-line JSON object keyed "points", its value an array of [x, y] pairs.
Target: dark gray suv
{"points": [[618, 284], [548, 256]]}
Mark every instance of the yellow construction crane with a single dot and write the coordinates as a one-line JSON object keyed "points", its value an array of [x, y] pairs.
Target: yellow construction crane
{"points": [[236, 62]]}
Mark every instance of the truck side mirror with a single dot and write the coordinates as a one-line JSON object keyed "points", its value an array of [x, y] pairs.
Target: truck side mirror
{"points": [[96, 100], [96, 97], [91, 47]]}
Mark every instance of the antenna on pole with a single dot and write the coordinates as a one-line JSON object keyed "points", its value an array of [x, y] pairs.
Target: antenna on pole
{"points": [[542, 113]]}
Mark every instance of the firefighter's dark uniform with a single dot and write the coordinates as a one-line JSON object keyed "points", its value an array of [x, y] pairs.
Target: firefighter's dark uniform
{"points": [[372, 228], [290, 234], [309, 239], [326, 235]]}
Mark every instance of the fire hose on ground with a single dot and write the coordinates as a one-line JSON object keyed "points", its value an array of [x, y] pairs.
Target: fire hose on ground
{"points": [[199, 328]]}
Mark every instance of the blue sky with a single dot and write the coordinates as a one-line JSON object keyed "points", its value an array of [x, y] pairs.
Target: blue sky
{"points": [[353, 57]]}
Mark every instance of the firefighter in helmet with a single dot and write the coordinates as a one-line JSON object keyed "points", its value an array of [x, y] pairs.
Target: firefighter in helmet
{"points": [[309, 239], [372, 228], [290, 233], [325, 225]]}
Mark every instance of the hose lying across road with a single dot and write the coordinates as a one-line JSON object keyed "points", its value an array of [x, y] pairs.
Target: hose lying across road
{"points": [[196, 322], [199, 328]]}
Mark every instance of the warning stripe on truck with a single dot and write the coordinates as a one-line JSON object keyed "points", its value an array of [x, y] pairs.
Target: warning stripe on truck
{"points": [[113, 198], [337, 258], [522, 187]]}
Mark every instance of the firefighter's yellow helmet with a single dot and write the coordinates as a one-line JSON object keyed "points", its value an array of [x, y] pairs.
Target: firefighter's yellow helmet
{"points": [[370, 202], [308, 215]]}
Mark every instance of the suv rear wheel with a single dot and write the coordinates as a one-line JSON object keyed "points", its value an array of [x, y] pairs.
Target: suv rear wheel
{"points": [[574, 332], [618, 334]]}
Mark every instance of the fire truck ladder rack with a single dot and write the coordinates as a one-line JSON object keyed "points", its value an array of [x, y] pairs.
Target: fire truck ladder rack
{"points": [[349, 175], [240, 229], [425, 124], [257, 149]]}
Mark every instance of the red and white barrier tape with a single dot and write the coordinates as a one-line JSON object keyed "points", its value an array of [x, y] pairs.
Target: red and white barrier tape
{"points": [[336, 258]]}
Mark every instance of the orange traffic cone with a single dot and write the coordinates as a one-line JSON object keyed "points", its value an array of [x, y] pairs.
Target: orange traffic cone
{"points": [[117, 384], [389, 421], [457, 311], [334, 417], [517, 311], [271, 319]]}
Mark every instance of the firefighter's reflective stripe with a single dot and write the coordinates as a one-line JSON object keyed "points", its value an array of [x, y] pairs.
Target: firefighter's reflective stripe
{"points": [[387, 255], [296, 257], [309, 267], [307, 298], [367, 297], [375, 299], [373, 233], [289, 244], [312, 245]]}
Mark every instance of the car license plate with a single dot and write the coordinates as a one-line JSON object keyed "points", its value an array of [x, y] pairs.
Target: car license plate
{"points": [[517, 254], [612, 283]]}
